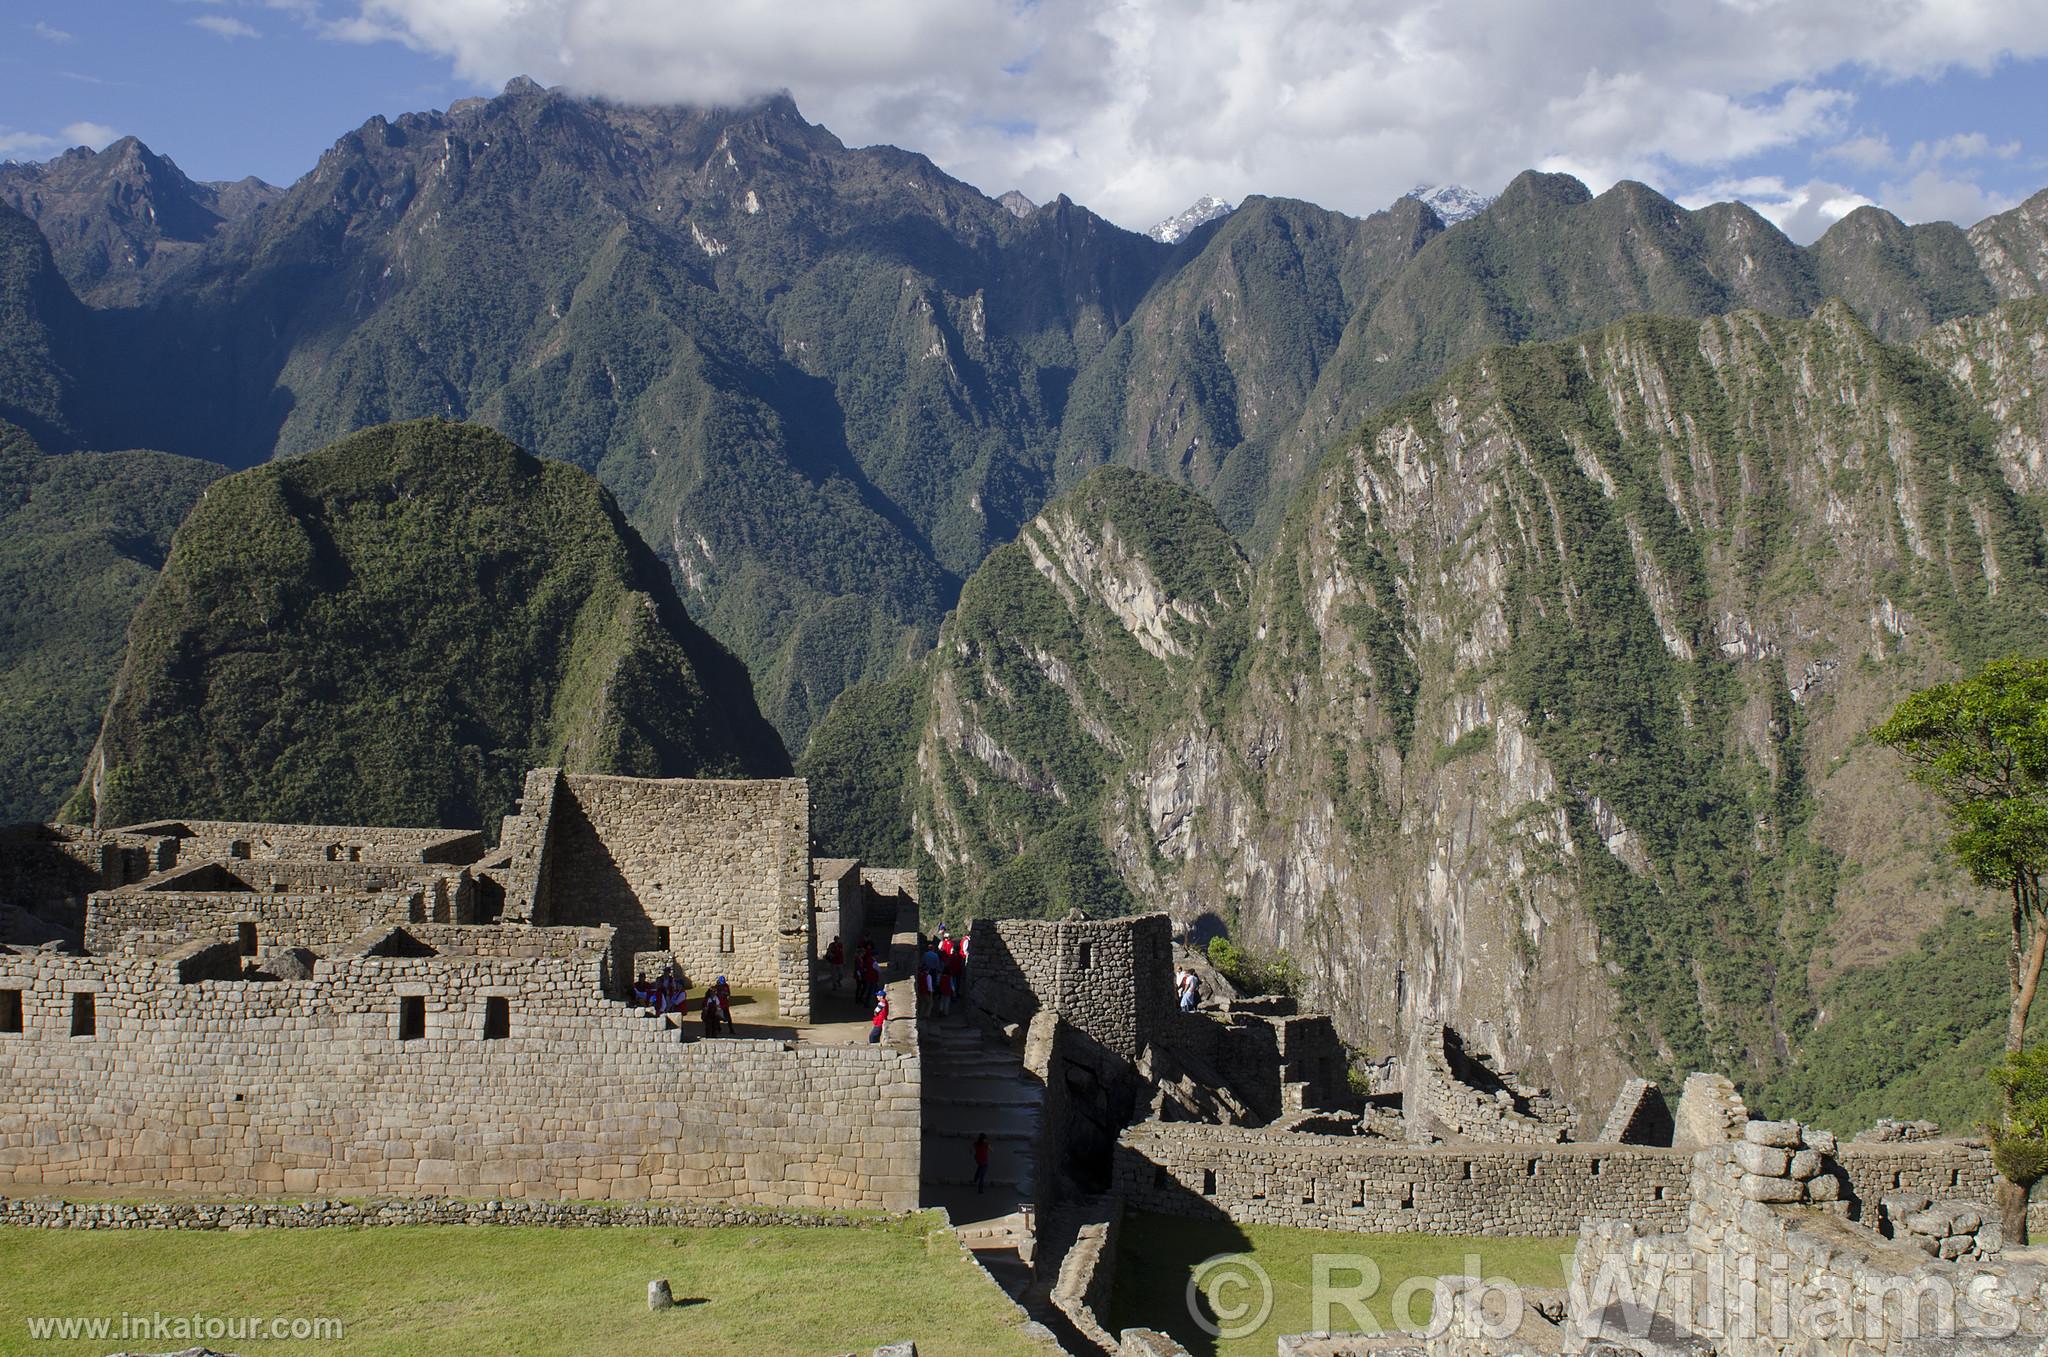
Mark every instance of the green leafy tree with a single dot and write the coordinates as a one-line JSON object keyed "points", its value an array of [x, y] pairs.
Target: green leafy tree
{"points": [[1981, 745], [2019, 1140]]}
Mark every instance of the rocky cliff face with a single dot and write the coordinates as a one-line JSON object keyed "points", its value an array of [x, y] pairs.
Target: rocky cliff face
{"points": [[1546, 716]]}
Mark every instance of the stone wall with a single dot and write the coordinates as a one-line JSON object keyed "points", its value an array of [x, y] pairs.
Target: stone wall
{"points": [[1710, 1111], [1110, 978], [310, 1087], [56, 1213], [1360, 1183], [1450, 1089], [722, 866], [318, 921], [1639, 1116], [199, 840], [1749, 1278]]}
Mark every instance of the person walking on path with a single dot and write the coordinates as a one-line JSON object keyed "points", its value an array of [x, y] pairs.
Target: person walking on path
{"points": [[981, 1163], [881, 1016]]}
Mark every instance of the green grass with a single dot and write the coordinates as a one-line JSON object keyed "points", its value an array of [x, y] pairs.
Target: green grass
{"points": [[447, 1289], [1157, 1255]]}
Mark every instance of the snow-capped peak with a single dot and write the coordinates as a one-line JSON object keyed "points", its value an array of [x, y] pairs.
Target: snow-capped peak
{"points": [[1453, 202], [1176, 227]]}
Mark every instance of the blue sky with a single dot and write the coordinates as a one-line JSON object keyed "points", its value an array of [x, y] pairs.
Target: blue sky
{"points": [[1804, 108]]}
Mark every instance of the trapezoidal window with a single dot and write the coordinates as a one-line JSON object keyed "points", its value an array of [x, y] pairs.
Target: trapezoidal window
{"points": [[245, 938], [661, 938], [497, 1018], [412, 1017], [10, 1010], [84, 1016], [1087, 956], [725, 941]]}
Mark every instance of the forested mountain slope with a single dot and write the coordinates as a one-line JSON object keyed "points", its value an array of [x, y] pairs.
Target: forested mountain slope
{"points": [[824, 382], [392, 630], [81, 539], [1548, 712]]}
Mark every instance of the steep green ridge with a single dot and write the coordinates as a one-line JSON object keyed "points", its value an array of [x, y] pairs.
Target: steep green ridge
{"points": [[1547, 712], [393, 629], [81, 538], [824, 382], [1063, 661], [860, 763]]}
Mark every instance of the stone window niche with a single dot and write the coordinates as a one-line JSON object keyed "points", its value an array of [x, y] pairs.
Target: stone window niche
{"points": [[661, 938], [84, 1014], [10, 1010], [1208, 1182], [1087, 956], [497, 1017], [245, 938], [412, 1017]]}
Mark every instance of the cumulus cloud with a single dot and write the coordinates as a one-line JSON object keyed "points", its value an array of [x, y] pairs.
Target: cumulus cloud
{"points": [[226, 26], [1136, 106]]}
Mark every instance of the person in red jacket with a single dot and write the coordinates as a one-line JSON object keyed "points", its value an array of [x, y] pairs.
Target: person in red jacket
{"points": [[881, 1015]]}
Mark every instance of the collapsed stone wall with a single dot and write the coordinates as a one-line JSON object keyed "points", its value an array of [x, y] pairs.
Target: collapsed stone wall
{"points": [[1264, 1177], [315, 1086], [1451, 1090], [201, 840]]}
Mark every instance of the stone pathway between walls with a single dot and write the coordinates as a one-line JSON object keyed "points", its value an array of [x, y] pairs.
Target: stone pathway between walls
{"points": [[975, 1085]]}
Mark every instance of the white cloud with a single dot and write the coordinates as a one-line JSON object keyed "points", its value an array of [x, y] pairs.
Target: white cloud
{"points": [[1801, 211], [1137, 106], [95, 135], [226, 26], [18, 145], [47, 33]]}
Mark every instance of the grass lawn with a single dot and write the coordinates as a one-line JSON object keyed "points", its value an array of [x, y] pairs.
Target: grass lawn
{"points": [[1156, 1256], [741, 1291]]}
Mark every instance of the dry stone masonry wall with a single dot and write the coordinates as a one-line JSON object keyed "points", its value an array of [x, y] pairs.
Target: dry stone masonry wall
{"points": [[320, 1086], [1264, 1177]]}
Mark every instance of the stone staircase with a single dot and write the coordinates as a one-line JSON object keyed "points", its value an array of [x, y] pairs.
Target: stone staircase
{"points": [[975, 1085]]}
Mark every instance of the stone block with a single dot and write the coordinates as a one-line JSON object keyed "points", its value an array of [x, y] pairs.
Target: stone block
{"points": [[1784, 1135], [1767, 1160], [1806, 1164], [659, 1297], [1772, 1191]]}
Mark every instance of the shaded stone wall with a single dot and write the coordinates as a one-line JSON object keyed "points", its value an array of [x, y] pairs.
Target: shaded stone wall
{"points": [[1357, 1183], [307, 1087], [1110, 978], [723, 866]]}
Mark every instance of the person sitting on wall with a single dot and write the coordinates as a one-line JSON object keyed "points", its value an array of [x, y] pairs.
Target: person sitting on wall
{"points": [[835, 957], [643, 993], [881, 1016]]}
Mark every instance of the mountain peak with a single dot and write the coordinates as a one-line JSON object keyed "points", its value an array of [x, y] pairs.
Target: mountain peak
{"points": [[1180, 225], [1452, 202], [1017, 203]]}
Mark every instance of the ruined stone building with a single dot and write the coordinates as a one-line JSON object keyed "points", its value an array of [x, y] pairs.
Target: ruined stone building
{"points": [[273, 1008]]}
